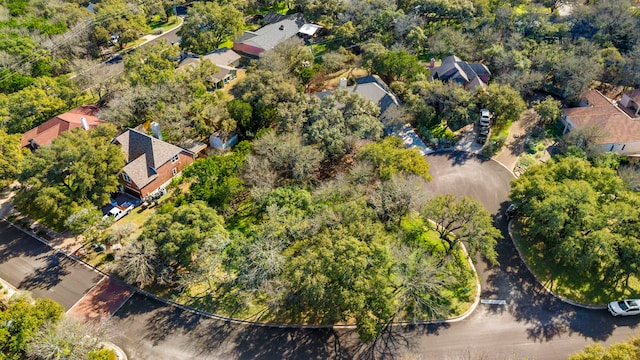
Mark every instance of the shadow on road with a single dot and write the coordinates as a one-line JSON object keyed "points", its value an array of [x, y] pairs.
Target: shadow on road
{"points": [[166, 328], [48, 275], [458, 157], [547, 317]]}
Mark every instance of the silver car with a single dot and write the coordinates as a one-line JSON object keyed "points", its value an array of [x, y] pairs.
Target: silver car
{"points": [[624, 307]]}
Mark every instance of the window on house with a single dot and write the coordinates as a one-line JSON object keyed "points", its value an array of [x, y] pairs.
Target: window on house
{"points": [[175, 158], [174, 171], [126, 177]]}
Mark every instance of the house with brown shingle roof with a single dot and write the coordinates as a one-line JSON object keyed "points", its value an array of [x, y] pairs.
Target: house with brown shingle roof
{"points": [[621, 133], [151, 162], [43, 134]]}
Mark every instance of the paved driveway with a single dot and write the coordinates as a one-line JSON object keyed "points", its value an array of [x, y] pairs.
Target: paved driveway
{"points": [[30, 265]]}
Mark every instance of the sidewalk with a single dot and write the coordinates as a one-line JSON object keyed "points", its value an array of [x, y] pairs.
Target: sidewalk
{"points": [[514, 146]]}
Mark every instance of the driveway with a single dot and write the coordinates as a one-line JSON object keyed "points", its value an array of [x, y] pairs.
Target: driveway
{"points": [[28, 264]]}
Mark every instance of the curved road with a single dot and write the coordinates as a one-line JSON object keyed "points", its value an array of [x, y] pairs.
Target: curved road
{"points": [[532, 324]]}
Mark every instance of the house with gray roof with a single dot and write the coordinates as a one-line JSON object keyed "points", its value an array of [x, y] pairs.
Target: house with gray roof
{"points": [[151, 162], [254, 43], [224, 59], [374, 89], [469, 75]]}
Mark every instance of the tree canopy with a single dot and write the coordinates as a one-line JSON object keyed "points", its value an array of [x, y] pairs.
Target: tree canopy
{"points": [[78, 169], [11, 156], [582, 216], [209, 24]]}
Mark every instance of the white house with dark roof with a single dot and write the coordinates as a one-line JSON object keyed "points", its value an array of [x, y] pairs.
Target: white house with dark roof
{"points": [[620, 132], [151, 162]]}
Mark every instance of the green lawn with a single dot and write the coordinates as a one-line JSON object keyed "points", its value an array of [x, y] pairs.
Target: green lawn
{"points": [[578, 287]]}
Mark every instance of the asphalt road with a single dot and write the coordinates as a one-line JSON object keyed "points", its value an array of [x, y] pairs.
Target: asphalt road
{"points": [[115, 65], [532, 324], [30, 265]]}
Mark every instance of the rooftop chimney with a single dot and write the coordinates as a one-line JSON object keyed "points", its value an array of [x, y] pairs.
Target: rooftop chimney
{"points": [[155, 130]]}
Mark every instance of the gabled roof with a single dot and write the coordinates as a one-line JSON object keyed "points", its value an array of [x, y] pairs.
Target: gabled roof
{"points": [[220, 57], [452, 68], [373, 89], [224, 56], [267, 37], [44, 133], [617, 126], [144, 155]]}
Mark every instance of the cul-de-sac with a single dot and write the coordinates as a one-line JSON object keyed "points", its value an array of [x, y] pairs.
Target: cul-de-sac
{"points": [[304, 179]]}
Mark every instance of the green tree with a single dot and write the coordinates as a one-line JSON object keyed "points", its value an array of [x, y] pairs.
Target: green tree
{"points": [[217, 179], [462, 220], [125, 19], [397, 66], [208, 25], [151, 64], [181, 233], [20, 324], [574, 212], [504, 102], [11, 156], [627, 350], [358, 288], [339, 120], [265, 90], [390, 157], [33, 105], [79, 169], [549, 110]]}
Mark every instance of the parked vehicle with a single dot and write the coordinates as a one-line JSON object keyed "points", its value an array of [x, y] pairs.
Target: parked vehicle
{"points": [[511, 211], [120, 211], [485, 118], [624, 307]]}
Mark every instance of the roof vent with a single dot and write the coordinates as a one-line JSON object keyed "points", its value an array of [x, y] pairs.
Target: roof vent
{"points": [[281, 27], [84, 123]]}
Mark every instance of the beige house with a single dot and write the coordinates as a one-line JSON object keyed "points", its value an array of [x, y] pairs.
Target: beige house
{"points": [[621, 132]]}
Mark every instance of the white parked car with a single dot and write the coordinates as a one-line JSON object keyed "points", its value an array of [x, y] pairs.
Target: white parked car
{"points": [[624, 307], [485, 118]]}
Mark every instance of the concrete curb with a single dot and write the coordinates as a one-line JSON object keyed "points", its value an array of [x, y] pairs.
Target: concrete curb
{"points": [[558, 296]]}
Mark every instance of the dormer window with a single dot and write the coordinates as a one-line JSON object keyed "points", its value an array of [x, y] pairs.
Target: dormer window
{"points": [[175, 158], [126, 177]]}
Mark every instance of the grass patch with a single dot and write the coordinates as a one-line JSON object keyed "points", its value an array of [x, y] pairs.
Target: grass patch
{"points": [[164, 26], [227, 44], [575, 286]]}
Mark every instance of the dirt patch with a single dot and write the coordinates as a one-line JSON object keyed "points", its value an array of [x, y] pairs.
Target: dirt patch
{"points": [[332, 81]]}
